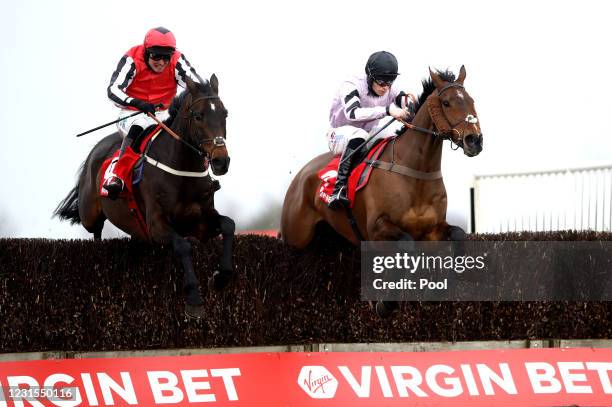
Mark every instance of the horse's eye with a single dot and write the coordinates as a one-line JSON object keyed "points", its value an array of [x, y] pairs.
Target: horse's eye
{"points": [[446, 103], [197, 117]]}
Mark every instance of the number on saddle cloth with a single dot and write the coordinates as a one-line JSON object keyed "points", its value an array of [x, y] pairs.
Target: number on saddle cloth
{"points": [[360, 173]]}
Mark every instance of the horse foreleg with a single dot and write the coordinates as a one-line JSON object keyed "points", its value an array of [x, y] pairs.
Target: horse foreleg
{"points": [[383, 229], [183, 251], [162, 232], [221, 277], [444, 231], [455, 233]]}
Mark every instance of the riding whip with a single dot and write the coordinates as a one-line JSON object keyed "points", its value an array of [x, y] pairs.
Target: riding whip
{"points": [[107, 124]]}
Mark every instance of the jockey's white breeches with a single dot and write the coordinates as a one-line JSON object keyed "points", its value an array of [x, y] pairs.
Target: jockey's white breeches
{"points": [[141, 120], [338, 138]]}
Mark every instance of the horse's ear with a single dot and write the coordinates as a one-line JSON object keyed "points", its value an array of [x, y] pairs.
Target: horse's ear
{"points": [[191, 86], [436, 78], [214, 83], [461, 77]]}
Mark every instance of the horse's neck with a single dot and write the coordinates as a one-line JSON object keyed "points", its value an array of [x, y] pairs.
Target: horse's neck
{"points": [[417, 150], [174, 153]]}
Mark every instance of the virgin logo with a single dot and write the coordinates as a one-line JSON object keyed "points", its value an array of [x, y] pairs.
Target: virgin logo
{"points": [[318, 382]]}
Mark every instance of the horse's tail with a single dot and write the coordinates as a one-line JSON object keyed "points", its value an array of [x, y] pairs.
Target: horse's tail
{"points": [[68, 208]]}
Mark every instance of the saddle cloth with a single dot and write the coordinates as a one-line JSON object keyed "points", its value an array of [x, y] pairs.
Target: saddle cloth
{"points": [[131, 159], [359, 177]]}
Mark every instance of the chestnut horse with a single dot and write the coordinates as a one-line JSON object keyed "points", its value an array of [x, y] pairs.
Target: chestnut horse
{"points": [[176, 202], [408, 200]]}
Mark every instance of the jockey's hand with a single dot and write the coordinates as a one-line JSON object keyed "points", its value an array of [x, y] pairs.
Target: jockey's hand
{"points": [[143, 106], [397, 112]]}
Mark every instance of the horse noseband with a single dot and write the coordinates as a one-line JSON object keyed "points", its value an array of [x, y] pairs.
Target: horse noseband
{"points": [[219, 141]]}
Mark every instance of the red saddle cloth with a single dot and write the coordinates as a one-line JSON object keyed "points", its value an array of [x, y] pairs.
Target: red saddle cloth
{"points": [[130, 158], [360, 175]]}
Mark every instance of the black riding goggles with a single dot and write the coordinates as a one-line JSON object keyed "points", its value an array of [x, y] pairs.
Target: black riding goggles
{"points": [[386, 81], [159, 57]]}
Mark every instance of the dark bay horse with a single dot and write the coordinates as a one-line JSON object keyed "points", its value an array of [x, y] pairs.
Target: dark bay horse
{"points": [[174, 205], [408, 202]]}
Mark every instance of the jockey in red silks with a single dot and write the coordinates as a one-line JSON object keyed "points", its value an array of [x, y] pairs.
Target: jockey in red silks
{"points": [[362, 106], [146, 77]]}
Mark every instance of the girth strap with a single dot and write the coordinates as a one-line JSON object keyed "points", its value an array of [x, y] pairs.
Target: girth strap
{"points": [[400, 169], [353, 223]]}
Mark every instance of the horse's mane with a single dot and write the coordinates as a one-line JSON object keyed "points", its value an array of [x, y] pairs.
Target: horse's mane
{"points": [[178, 100], [429, 87]]}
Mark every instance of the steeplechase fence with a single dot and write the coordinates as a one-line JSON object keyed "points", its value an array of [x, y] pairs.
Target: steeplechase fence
{"points": [[564, 199]]}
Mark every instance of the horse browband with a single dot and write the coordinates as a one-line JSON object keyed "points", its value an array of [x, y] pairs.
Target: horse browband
{"points": [[448, 86]]}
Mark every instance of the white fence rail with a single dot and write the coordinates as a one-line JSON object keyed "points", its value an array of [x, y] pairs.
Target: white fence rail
{"points": [[578, 199]]}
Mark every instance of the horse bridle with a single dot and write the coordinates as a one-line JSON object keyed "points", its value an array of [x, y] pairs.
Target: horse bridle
{"points": [[218, 141], [440, 135], [469, 118], [444, 134]]}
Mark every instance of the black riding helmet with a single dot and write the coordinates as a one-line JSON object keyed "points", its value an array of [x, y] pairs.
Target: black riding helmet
{"points": [[381, 65]]}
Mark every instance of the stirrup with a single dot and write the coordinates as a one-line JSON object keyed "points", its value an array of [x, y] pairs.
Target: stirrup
{"points": [[339, 200]]}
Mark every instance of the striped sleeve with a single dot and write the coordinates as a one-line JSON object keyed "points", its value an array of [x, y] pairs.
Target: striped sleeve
{"points": [[121, 79], [184, 70], [352, 106]]}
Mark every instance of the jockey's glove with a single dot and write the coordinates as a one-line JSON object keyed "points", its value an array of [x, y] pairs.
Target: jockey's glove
{"points": [[397, 112], [143, 106]]}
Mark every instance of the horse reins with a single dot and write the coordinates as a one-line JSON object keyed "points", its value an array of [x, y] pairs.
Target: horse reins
{"points": [[176, 136]]}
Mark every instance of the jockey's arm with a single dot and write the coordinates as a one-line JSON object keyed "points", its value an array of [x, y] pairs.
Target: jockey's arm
{"points": [[184, 70], [122, 78], [352, 106]]}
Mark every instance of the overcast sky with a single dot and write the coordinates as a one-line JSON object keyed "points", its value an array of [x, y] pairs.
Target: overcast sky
{"points": [[538, 72]]}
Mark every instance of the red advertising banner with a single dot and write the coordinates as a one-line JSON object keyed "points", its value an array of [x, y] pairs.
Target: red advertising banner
{"points": [[526, 377]]}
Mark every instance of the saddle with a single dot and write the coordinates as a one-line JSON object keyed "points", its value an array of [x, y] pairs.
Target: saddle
{"points": [[360, 174]]}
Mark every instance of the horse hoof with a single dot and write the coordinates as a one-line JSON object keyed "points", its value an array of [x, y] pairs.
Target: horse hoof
{"points": [[194, 311], [455, 233], [385, 308], [219, 280]]}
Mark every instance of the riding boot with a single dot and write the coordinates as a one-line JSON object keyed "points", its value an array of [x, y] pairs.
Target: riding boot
{"points": [[114, 185], [339, 197]]}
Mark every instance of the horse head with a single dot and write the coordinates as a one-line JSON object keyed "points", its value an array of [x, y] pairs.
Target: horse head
{"points": [[452, 111], [205, 117]]}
